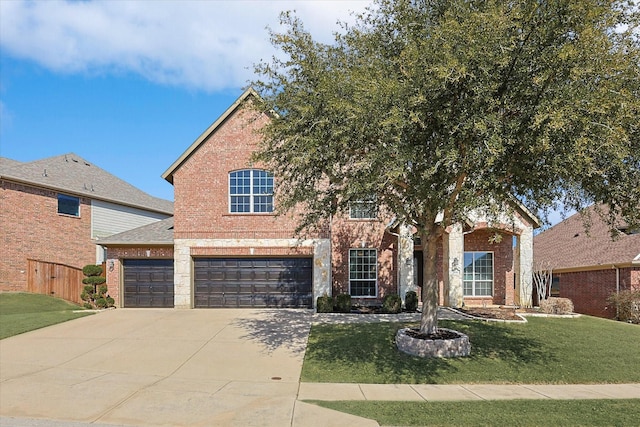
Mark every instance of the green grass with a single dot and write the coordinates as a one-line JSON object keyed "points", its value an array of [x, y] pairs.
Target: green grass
{"points": [[495, 413], [23, 312], [544, 350]]}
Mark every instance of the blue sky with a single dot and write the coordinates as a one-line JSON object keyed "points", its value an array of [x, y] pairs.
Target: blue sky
{"points": [[129, 85]]}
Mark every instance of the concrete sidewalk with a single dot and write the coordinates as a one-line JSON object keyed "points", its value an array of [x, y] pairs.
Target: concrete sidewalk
{"points": [[467, 392]]}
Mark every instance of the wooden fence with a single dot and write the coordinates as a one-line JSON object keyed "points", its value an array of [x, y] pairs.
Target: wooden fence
{"points": [[54, 279]]}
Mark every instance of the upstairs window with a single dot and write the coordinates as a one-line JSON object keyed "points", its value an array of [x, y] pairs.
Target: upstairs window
{"points": [[250, 191], [363, 209], [68, 205]]}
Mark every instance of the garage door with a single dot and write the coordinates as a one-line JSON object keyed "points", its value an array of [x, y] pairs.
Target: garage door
{"points": [[148, 283], [253, 282]]}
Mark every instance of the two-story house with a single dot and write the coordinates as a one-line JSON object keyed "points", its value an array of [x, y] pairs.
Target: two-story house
{"points": [[56, 208], [226, 247]]}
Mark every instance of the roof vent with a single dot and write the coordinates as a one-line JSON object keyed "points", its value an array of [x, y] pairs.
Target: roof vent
{"points": [[44, 173]]}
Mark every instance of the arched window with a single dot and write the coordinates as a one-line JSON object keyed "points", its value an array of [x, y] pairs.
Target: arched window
{"points": [[250, 191]]}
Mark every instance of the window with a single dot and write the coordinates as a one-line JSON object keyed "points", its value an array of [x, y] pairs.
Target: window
{"points": [[363, 272], [478, 274], [250, 191], [555, 287], [68, 205], [365, 209]]}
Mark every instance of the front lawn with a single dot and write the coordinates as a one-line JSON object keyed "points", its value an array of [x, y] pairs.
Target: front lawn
{"points": [[495, 412], [544, 350], [22, 312]]}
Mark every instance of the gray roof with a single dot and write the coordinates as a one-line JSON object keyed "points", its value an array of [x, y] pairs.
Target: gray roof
{"points": [[157, 233], [70, 173]]}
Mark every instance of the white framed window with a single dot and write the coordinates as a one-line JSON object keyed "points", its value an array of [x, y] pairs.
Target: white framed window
{"points": [[478, 274], [363, 273], [250, 191], [363, 209], [68, 205]]}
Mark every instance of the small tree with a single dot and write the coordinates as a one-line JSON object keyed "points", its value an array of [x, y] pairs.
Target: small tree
{"points": [[542, 277], [95, 291]]}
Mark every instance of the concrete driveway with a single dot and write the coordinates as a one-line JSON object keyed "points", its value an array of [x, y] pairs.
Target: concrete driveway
{"points": [[163, 367]]}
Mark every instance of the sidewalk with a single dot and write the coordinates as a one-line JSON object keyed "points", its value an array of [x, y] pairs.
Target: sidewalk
{"points": [[467, 392]]}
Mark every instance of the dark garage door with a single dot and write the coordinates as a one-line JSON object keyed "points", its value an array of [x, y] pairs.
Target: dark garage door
{"points": [[253, 282], [148, 283]]}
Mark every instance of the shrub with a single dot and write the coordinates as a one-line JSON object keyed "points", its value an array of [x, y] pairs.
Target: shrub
{"points": [[95, 298], [392, 304], [555, 305], [324, 304], [343, 303], [627, 304], [91, 270], [411, 301]]}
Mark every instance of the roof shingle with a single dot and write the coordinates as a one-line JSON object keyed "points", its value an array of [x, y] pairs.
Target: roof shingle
{"points": [[567, 245], [72, 174]]}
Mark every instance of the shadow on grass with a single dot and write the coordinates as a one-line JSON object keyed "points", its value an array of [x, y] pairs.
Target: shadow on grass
{"points": [[278, 329], [366, 353]]}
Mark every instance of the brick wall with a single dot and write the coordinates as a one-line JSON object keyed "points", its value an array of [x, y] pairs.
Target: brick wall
{"points": [[115, 255], [503, 271], [589, 290], [30, 227], [201, 186], [349, 234]]}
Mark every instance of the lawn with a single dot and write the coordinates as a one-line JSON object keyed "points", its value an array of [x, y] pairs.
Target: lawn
{"points": [[22, 312], [495, 413], [544, 350]]}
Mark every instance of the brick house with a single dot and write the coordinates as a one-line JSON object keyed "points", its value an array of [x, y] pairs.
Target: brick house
{"points": [[231, 250], [588, 266], [56, 208]]}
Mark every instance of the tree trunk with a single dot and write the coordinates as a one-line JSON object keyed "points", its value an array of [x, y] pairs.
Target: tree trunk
{"points": [[429, 319]]}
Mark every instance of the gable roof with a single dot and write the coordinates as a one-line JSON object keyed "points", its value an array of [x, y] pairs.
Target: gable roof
{"points": [[70, 173], [156, 233], [568, 246], [168, 174]]}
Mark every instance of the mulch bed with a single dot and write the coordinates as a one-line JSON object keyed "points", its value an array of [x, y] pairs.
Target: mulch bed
{"points": [[491, 313], [440, 334]]}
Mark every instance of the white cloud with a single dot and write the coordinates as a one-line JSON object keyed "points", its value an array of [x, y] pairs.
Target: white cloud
{"points": [[206, 45]]}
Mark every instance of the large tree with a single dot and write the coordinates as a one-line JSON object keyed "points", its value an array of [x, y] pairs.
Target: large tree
{"points": [[436, 108]]}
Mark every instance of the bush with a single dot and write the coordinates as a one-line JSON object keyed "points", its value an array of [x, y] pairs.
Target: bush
{"points": [[95, 298], [392, 304], [94, 280], [324, 304], [92, 270], [411, 301], [627, 304], [555, 305], [343, 303]]}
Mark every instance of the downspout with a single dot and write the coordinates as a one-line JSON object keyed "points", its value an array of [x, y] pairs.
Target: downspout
{"points": [[617, 289]]}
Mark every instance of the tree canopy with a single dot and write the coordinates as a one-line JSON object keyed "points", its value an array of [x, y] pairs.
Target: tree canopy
{"points": [[440, 106]]}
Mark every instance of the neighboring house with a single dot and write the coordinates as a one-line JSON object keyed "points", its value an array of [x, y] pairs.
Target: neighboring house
{"points": [[56, 208], [230, 250], [588, 266]]}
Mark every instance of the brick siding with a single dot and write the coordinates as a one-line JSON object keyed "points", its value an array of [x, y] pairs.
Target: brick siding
{"points": [[503, 271], [589, 290], [31, 228]]}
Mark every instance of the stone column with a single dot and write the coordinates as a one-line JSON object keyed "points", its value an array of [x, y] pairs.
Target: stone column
{"points": [[524, 272], [321, 269], [453, 260], [405, 262], [182, 274]]}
